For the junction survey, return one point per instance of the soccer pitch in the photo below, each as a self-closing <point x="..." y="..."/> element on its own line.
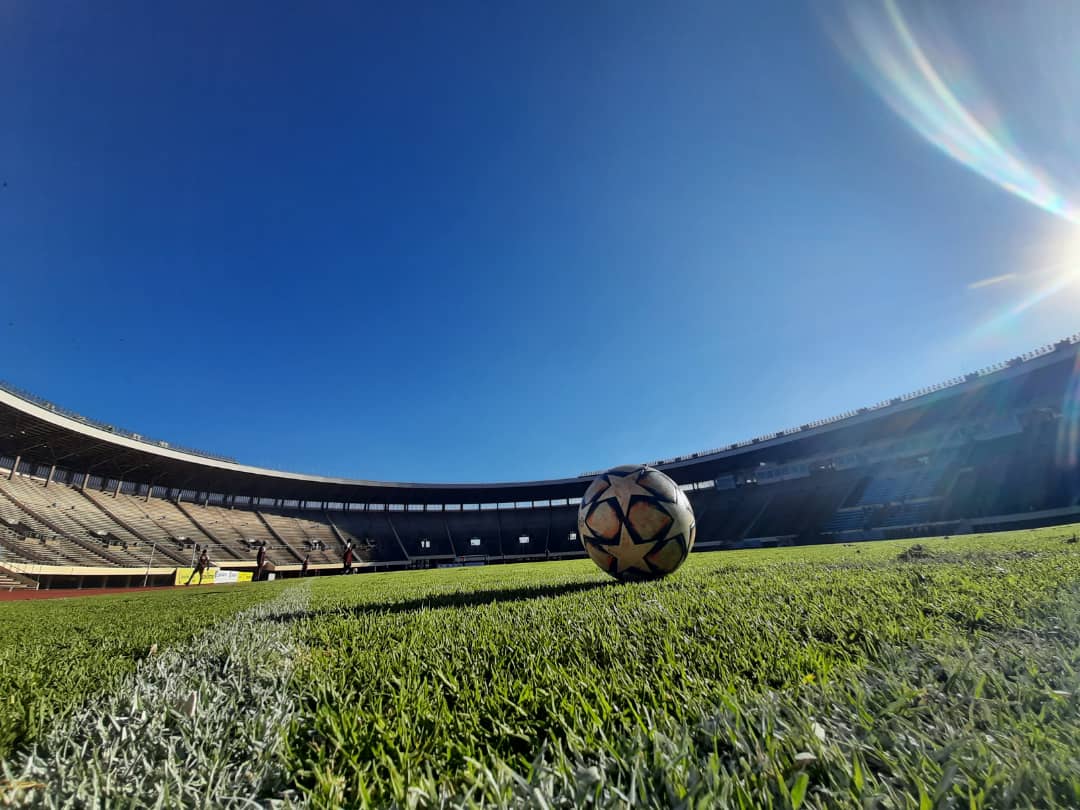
<point x="940" y="672"/>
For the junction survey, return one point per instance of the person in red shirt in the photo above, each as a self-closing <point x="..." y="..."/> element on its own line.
<point x="348" y="558"/>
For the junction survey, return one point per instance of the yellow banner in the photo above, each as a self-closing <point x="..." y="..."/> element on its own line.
<point x="232" y="577"/>
<point x="211" y="576"/>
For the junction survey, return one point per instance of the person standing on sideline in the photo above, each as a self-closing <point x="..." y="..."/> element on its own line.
<point x="303" y="567"/>
<point x="200" y="566"/>
<point x="348" y="558"/>
<point x="260" y="561"/>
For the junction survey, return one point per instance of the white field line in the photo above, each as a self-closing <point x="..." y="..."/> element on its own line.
<point x="199" y="725"/>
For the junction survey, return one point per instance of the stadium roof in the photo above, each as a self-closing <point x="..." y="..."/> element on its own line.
<point x="37" y="430"/>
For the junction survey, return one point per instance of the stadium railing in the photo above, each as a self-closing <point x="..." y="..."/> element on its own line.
<point x="127" y="434"/>
<point x="1049" y="348"/>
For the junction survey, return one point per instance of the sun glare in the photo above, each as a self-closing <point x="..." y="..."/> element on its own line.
<point x="1054" y="284"/>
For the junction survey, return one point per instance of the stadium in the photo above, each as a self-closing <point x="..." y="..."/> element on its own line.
<point x="434" y="287"/>
<point x="85" y="504"/>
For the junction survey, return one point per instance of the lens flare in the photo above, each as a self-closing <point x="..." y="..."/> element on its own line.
<point x="922" y="73"/>
<point x="1048" y="284"/>
<point x="990" y="282"/>
<point x="1068" y="442"/>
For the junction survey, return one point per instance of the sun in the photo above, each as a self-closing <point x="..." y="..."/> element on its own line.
<point x="1050" y="287"/>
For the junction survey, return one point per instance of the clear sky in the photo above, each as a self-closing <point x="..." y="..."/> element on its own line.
<point x="454" y="241"/>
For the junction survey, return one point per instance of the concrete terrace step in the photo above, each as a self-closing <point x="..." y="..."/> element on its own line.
<point x="10" y="581"/>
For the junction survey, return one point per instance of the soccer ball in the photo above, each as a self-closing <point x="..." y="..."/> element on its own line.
<point x="636" y="523"/>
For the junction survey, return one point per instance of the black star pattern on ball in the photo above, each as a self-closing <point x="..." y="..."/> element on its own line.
<point x="637" y="523"/>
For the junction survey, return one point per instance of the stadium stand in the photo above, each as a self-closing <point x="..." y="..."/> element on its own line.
<point x="372" y="535"/>
<point x="424" y="535"/>
<point x="10" y="581"/>
<point x="76" y="519"/>
<point x="25" y="549"/>
<point x="480" y="536"/>
<point x="304" y="537"/>
<point x="56" y="529"/>
<point x="157" y="521"/>
<point x="998" y="447"/>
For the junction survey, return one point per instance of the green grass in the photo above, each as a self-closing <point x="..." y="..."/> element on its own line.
<point x="56" y="653"/>
<point x="845" y="675"/>
<point x="446" y="683"/>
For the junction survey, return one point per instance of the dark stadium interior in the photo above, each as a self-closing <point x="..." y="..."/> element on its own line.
<point x="82" y="503"/>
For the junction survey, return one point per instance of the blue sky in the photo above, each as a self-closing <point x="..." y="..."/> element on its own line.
<point x="473" y="242"/>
